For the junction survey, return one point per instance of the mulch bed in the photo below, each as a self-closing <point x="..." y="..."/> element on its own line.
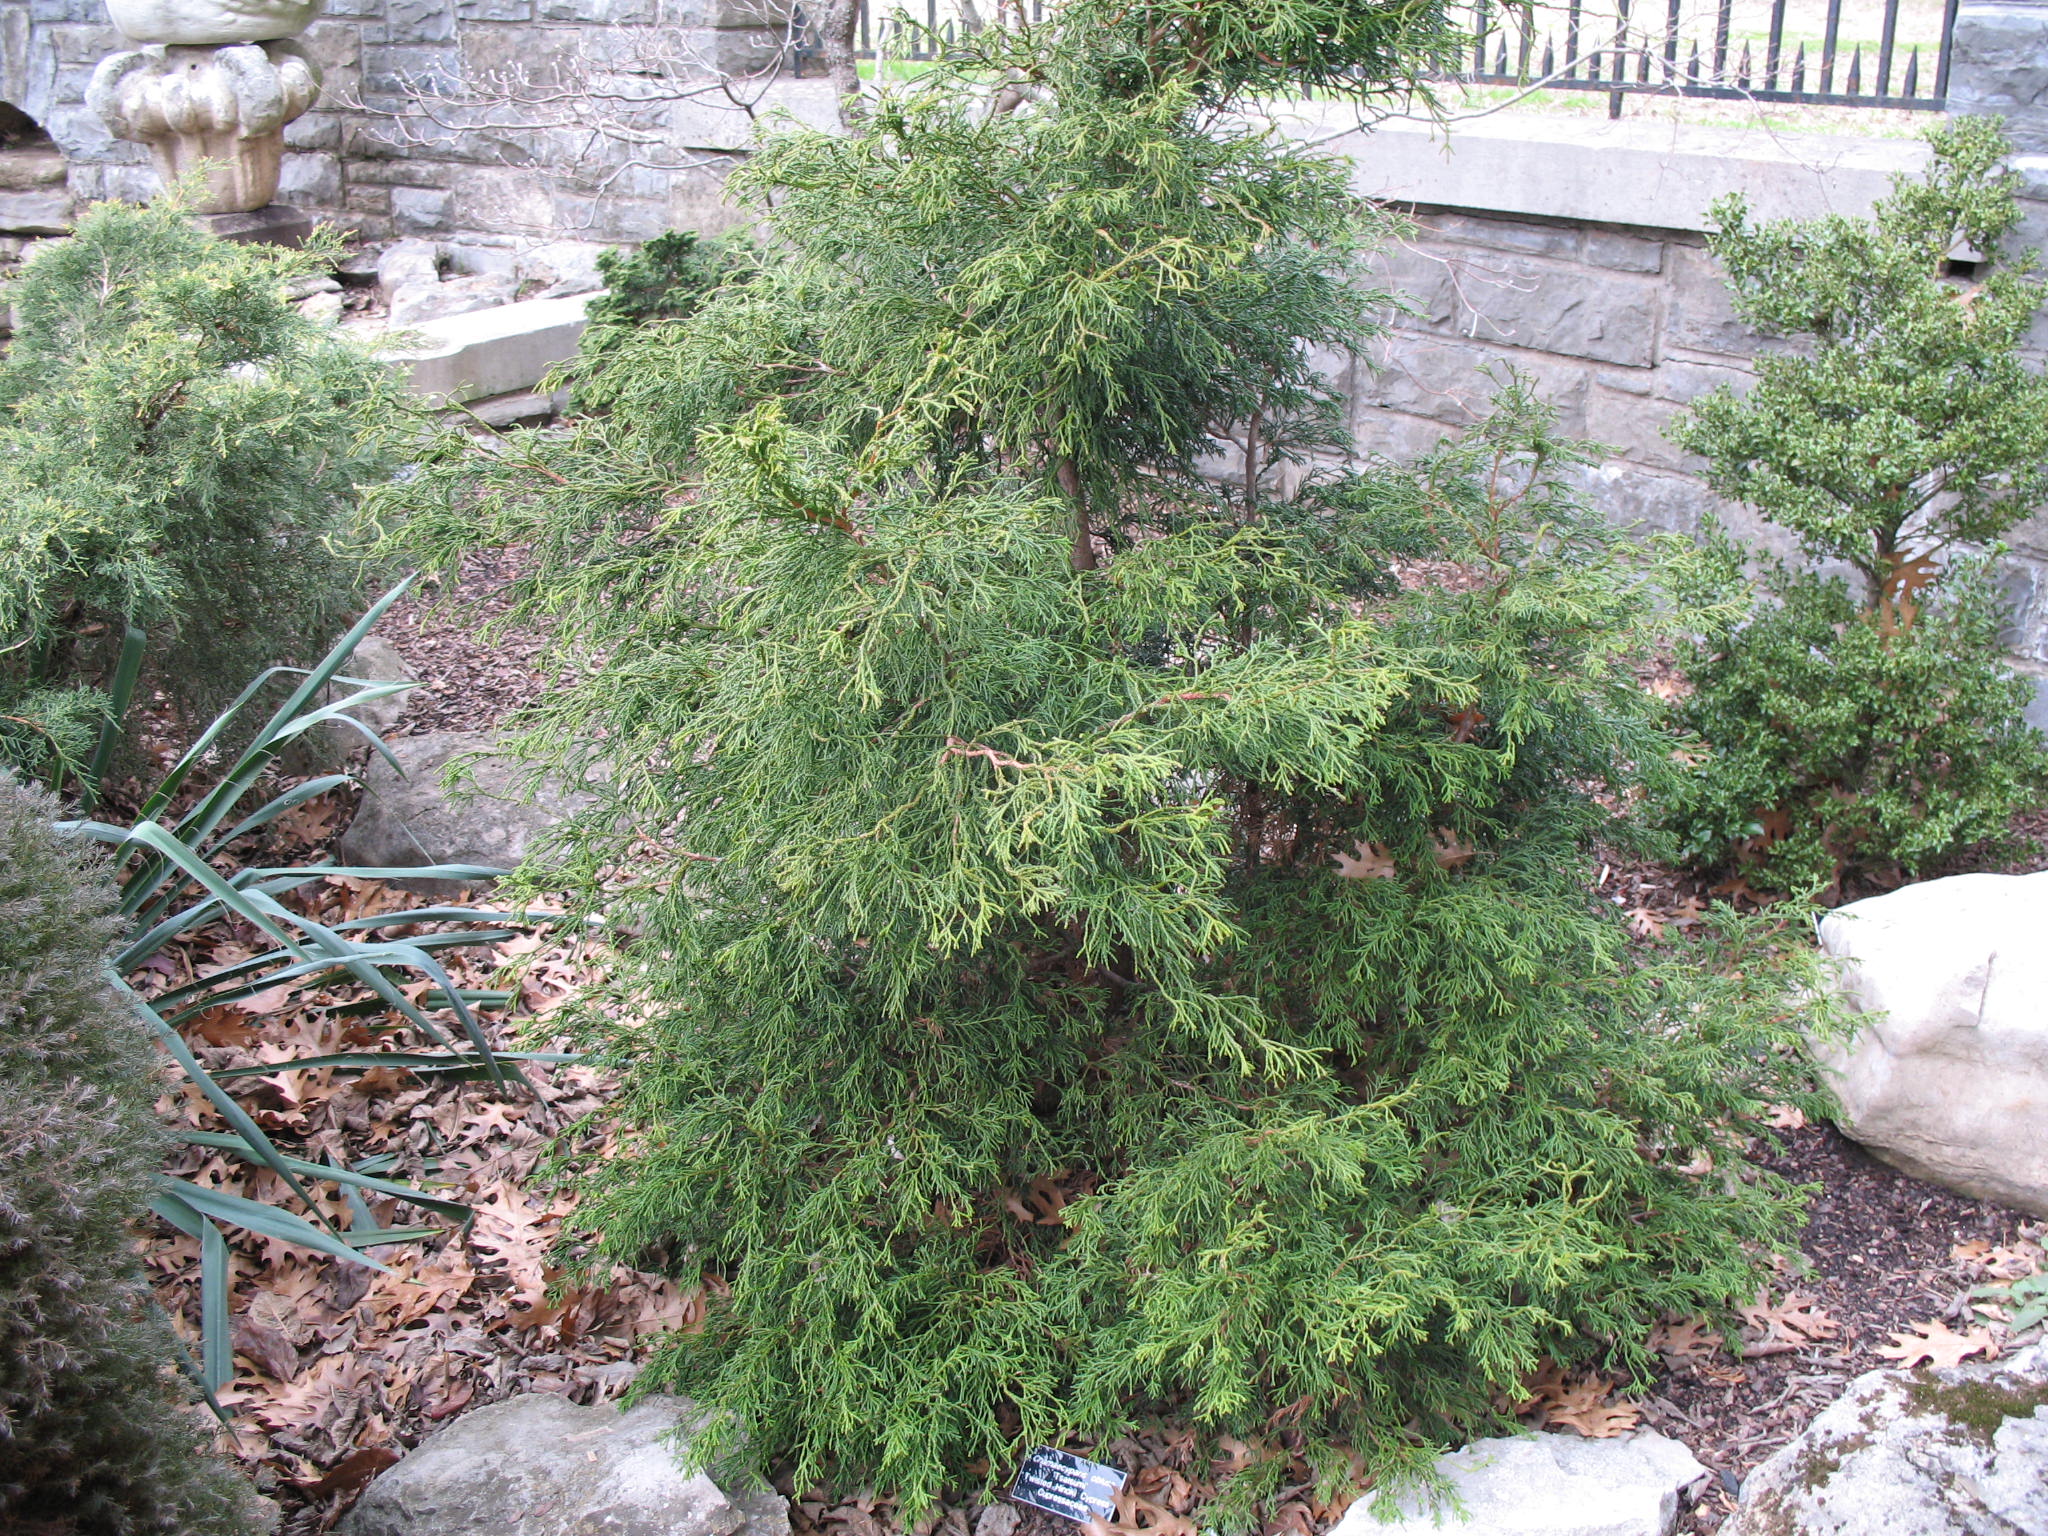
<point x="1882" y="1254"/>
<point x="474" y="671"/>
<point x="346" y="1372"/>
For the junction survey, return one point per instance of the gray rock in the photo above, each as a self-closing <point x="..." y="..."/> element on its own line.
<point x="376" y="660"/>
<point x="1546" y="1485"/>
<point x="418" y="210"/>
<point x="404" y="822"/>
<point x="36" y="211"/>
<point x="538" y="1465"/>
<point x="1955" y="1452"/>
<point x="560" y="268"/>
<point x="321" y="308"/>
<point x="408" y="264"/>
<point x="1947" y="1076"/>
<point x="457" y="296"/>
<point x="468" y="260"/>
<point x="329" y="747"/>
<point x="2037" y="707"/>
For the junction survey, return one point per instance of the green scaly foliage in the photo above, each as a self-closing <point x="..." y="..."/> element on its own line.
<point x="668" y="278"/>
<point x="179" y="451"/>
<point x="1093" y="941"/>
<point x="93" y="1435"/>
<point x="1868" y="726"/>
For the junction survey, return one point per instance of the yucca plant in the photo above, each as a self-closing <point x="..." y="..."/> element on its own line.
<point x="165" y="863"/>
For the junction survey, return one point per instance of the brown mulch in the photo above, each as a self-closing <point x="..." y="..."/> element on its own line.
<point x="1882" y="1255"/>
<point x="340" y="1368"/>
<point x="471" y="678"/>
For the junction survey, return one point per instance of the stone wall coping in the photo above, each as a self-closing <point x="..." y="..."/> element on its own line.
<point x="1645" y="174"/>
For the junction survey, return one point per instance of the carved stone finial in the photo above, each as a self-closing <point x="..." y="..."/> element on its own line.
<point x="226" y="106"/>
<point x="193" y="22"/>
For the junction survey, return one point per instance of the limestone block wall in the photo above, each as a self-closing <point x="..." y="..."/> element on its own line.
<point x="464" y="170"/>
<point x="1577" y="254"/>
<point x="523" y="169"/>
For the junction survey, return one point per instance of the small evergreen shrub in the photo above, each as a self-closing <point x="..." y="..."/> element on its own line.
<point x="1866" y="724"/>
<point x="180" y="451"/>
<point x="1094" y="941"/>
<point x="668" y="278"/>
<point x="93" y="1437"/>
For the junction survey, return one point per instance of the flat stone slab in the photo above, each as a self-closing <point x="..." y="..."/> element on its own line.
<point x="539" y="1465"/>
<point x="36" y="211"/>
<point x="489" y="351"/>
<point x="1956" y="1452"/>
<point x="1546" y="1485"/>
<point x="278" y="224"/>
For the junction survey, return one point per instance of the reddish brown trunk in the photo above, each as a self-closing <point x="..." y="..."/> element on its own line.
<point x="1084" y="537"/>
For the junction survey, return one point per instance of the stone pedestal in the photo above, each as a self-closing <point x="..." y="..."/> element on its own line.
<point x="197" y="22"/>
<point x="277" y="224"/>
<point x="219" y="110"/>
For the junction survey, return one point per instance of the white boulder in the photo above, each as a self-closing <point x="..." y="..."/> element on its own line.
<point x="1546" y="1485"/>
<point x="538" y="1465"/>
<point x="1947" y="1075"/>
<point x="1955" y="1452"/>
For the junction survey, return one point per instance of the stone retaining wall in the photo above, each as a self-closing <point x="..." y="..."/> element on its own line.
<point x="521" y="170"/>
<point x="1576" y="253"/>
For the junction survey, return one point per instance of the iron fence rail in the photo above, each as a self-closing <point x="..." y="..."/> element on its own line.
<point x="1694" y="49"/>
<point x="1789" y="51"/>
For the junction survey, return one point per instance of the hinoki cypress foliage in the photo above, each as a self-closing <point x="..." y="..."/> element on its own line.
<point x="179" y="451"/>
<point x="1094" y="941"/>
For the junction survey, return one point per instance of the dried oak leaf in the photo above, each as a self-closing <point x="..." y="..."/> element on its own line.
<point x="1720" y="1375"/>
<point x="266" y="1348"/>
<point x="1450" y="852"/>
<point x="1586" y="1409"/>
<point x="351" y="1472"/>
<point x="1541" y="1387"/>
<point x="1939" y="1345"/>
<point x="1366" y="861"/>
<point x="1137" y="1516"/>
<point x="1786" y="1325"/>
<point x="1684" y="1336"/>
<point x="2013" y="1261"/>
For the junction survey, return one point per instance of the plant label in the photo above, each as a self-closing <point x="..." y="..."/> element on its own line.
<point x="1061" y="1483"/>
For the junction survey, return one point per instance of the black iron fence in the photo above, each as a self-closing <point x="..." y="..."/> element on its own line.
<point x="909" y="29"/>
<point x="1844" y="53"/>
<point x="1883" y="54"/>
